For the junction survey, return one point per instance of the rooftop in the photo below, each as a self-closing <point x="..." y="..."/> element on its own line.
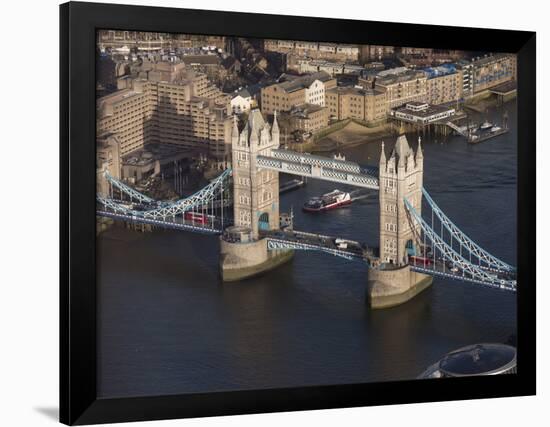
<point x="400" y="76"/>
<point x="479" y="359"/>
<point x="293" y="83"/>
<point x="117" y="96"/>
<point x="201" y="59"/>
<point x="354" y="90"/>
<point x="505" y="88"/>
<point x="243" y="92"/>
<point x="442" y="70"/>
<point x="489" y="59"/>
<point x="305" y="109"/>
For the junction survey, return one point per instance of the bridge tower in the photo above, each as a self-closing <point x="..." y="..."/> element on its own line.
<point x="243" y="251"/>
<point x="255" y="190"/>
<point x="392" y="281"/>
<point x="400" y="177"/>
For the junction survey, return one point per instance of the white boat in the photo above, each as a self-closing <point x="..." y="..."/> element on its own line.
<point x="332" y="200"/>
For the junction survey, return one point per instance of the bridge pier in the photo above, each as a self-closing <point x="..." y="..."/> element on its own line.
<point x="243" y="259"/>
<point x="390" y="285"/>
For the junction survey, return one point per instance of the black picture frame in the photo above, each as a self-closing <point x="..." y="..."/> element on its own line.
<point x="78" y="399"/>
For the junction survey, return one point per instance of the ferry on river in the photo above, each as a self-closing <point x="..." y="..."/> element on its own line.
<point x="334" y="199"/>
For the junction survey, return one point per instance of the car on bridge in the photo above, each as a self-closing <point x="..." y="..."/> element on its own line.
<point x="196" y="217"/>
<point x="418" y="260"/>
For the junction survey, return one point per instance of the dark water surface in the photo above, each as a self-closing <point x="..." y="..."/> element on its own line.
<point x="167" y="324"/>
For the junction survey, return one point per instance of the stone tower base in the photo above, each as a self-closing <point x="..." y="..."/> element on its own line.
<point x="391" y="287"/>
<point x="241" y="260"/>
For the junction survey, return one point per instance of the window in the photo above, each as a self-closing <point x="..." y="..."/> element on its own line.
<point x="244" y="218"/>
<point x="244" y="200"/>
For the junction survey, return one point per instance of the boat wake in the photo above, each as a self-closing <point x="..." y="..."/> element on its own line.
<point x="360" y="195"/>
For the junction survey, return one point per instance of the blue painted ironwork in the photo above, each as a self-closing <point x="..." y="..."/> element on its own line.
<point x="129" y="191"/>
<point x="176" y="224"/>
<point x="481" y="254"/>
<point x="324" y="168"/>
<point x="197" y="200"/>
<point x="468" y="271"/>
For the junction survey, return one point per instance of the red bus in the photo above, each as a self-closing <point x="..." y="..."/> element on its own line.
<point x="417" y="260"/>
<point x="196" y="217"/>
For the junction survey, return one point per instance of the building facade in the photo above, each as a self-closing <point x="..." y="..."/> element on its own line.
<point x="255" y="190"/>
<point x="241" y="102"/>
<point x="151" y="41"/>
<point x="400" y="177"/>
<point x="315" y="50"/>
<point x="368" y="105"/>
<point x="369" y="53"/>
<point x="308" y="89"/>
<point x="308" y="118"/>
<point x="402" y="86"/>
<point x="492" y="71"/>
<point x="443" y="86"/>
<point x="169" y="104"/>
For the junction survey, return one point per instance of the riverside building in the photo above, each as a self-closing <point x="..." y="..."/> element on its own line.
<point x="444" y="84"/>
<point x="170" y="104"/>
<point x="368" y="105"/>
<point x="493" y="70"/>
<point x="402" y="85"/>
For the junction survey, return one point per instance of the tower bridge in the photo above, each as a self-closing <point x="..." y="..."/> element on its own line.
<point x="412" y="248"/>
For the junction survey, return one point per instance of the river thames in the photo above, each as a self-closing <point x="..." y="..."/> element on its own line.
<point x="168" y="325"/>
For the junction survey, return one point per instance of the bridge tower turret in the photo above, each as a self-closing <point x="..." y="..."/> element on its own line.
<point x="255" y="190"/>
<point x="400" y="178"/>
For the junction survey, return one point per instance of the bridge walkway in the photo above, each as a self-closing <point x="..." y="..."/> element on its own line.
<point x="309" y="165"/>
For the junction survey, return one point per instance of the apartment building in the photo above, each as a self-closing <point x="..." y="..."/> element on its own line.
<point x="170" y="104"/>
<point x="151" y="41"/>
<point x="296" y="90"/>
<point x="444" y="84"/>
<point x="368" y="105"/>
<point x="493" y="70"/>
<point x="465" y="70"/>
<point x="332" y="68"/>
<point x="315" y="50"/>
<point x="402" y="85"/>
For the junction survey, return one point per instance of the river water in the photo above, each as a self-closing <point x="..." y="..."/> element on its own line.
<point x="168" y="325"/>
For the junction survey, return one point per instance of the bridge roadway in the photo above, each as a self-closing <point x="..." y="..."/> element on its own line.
<point x="440" y="267"/>
<point x="300" y="240"/>
<point x="214" y="225"/>
<point x="324" y="168"/>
